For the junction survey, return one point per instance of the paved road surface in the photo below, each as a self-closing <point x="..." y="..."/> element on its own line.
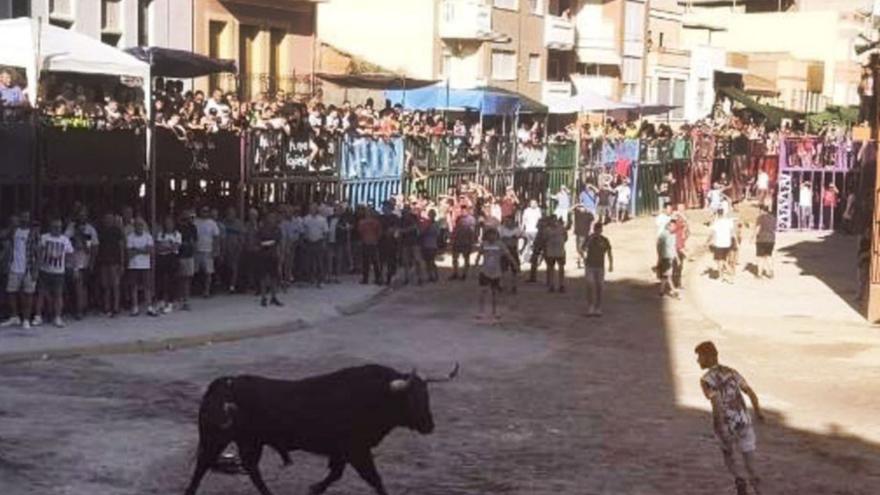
<point x="547" y="402"/>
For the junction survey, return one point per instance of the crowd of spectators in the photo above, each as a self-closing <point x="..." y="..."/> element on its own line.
<point x="117" y="261"/>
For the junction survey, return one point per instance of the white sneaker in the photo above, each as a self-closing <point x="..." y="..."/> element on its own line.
<point x="597" y="312"/>
<point x="12" y="322"/>
<point x="26" y="325"/>
<point x="59" y="323"/>
<point x="37" y="321"/>
<point x="167" y="308"/>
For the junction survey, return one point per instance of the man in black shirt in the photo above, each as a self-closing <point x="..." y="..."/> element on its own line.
<point x="596" y="247"/>
<point x="389" y="244"/>
<point x="109" y="261"/>
<point x="268" y="267"/>
<point x="410" y="249"/>
<point x="583" y="222"/>
<point x="188" y="237"/>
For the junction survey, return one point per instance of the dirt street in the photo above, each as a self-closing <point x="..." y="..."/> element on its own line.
<point x="547" y="402"/>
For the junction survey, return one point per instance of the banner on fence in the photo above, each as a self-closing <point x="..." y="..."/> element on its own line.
<point x="16" y="152"/>
<point x="86" y="153"/>
<point x="211" y="155"/>
<point x="368" y="158"/>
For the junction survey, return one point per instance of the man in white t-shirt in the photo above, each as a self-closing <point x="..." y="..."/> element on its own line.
<point x="530" y="218"/>
<point x="139" y="245"/>
<point x="721" y="242"/>
<point x="762" y="186"/>
<point x="22" y="270"/>
<point x="315" y="231"/>
<point x="621" y="206"/>
<point x="207" y="241"/>
<point x="55" y="247"/>
<point x="662" y="219"/>
<point x="805" y="205"/>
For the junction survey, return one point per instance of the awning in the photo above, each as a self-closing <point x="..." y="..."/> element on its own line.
<point x="759" y="86"/>
<point x="375" y="81"/>
<point x="37" y="48"/>
<point x="774" y="115"/>
<point x="844" y="115"/>
<point x="585" y="101"/>
<point x="166" y="62"/>
<point x="729" y="69"/>
<point x="598" y="56"/>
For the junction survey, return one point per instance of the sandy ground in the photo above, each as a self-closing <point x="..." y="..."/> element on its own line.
<point x="547" y="402"/>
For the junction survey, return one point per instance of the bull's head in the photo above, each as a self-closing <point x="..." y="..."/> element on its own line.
<point x="218" y="405"/>
<point x="414" y="388"/>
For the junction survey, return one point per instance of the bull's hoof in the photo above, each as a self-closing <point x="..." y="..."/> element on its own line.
<point x="317" y="489"/>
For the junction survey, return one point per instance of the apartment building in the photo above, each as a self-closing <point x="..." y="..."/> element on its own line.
<point x="273" y="42"/>
<point x="120" y="23"/>
<point x="669" y="63"/>
<point x="525" y="46"/>
<point x="610" y="48"/>
<point x="805" y="32"/>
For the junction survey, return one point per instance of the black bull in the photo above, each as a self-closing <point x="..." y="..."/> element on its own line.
<point x="342" y="416"/>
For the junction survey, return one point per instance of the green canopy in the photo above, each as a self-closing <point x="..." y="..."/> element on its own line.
<point x="834" y="113"/>
<point x="774" y="115"/>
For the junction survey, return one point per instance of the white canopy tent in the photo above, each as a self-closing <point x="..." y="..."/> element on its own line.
<point x="586" y="101"/>
<point x="43" y="47"/>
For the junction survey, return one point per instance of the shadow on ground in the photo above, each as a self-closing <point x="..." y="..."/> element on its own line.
<point x="821" y="259"/>
<point x="549" y="401"/>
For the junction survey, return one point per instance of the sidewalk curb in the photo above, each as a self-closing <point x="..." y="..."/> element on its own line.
<point x="176" y="343"/>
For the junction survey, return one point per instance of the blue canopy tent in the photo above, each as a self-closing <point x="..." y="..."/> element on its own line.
<point x="488" y="100"/>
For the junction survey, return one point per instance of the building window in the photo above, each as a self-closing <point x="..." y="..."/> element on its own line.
<point x="678" y="95"/>
<point x="534" y="68"/>
<point x="634" y="21"/>
<point x="507" y="4"/>
<point x="503" y="65"/>
<point x="21" y="8"/>
<point x="61" y="8"/>
<point x="145" y="21"/>
<point x="110" y="16"/>
<point x="664" y="86"/>
<point x="61" y="13"/>
<point x="276" y="55"/>
<point x="446" y="64"/>
<point x="215" y="47"/>
<point x="660" y="41"/>
<point x="535" y="6"/>
<point x="631" y="72"/>
<point x="702" y="89"/>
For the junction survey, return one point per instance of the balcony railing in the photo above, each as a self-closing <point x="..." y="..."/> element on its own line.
<point x="602" y="85"/>
<point x="465" y="20"/>
<point x="600" y="50"/>
<point x="559" y="33"/>
<point x="673" y="57"/>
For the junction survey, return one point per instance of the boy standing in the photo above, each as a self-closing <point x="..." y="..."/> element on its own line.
<point x="140" y="256"/>
<point x="491" y="252"/>
<point x="732" y="423"/>
<point x="596" y="248"/>
<point x="54" y="248"/>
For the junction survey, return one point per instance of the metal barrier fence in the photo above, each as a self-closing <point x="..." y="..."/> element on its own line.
<point x="450" y="152"/>
<point x="815" y="178"/>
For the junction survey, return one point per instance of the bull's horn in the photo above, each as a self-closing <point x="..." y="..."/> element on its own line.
<point x="399" y="385"/>
<point x="447" y="378"/>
